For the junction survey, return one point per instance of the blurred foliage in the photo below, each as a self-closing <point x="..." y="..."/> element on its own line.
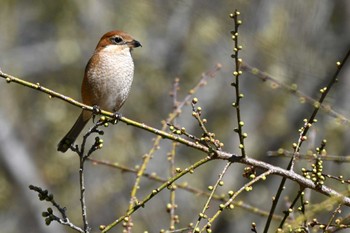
<point x="50" y="42"/>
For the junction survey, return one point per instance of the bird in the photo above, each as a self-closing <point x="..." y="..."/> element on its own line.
<point x="107" y="80"/>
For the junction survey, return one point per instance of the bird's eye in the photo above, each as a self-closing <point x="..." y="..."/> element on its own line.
<point x="117" y="40"/>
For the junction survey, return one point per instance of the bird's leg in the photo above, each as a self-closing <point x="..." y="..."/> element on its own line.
<point x="96" y="110"/>
<point x="116" y="117"/>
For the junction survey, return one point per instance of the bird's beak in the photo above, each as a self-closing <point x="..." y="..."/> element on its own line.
<point x="134" y="44"/>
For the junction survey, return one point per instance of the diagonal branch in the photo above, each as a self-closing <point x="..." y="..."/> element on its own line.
<point x="219" y="154"/>
<point x="54" y="94"/>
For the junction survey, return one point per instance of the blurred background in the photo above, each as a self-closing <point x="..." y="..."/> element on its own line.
<point x="50" y="42"/>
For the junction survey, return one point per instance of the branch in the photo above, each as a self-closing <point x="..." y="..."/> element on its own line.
<point x="127" y="121"/>
<point x="291" y="175"/>
<point x="219" y="154"/>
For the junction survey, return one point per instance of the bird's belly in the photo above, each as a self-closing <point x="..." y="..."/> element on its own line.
<point x="115" y="93"/>
<point x="110" y="82"/>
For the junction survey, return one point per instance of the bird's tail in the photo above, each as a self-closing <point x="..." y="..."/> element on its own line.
<point x="73" y="133"/>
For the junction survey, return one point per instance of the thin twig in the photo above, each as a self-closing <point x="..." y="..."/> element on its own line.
<point x="172" y="205"/>
<point x="171" y="158"/>
<point x="206" y="206"/>
<point x="82" y="159"/>
<point x="332" y="158"/>
<point x="287" y="212"/>
<point x="49" y="216"/>
<point x="230" y="201"/>
<point x="82" y="195"/>
<point x="237" y="73"/>
<point x="335" y="212"/>
<point x="294" y="90"/>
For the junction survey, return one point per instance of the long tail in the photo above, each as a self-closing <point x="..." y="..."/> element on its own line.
<point x="73" y="133"/>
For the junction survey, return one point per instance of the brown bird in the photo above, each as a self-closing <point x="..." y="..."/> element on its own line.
<point x="107" y="80"/>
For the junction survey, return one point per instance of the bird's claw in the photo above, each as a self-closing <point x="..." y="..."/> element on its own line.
<point x="96" y="110"/>
<point x="116" y="117"/>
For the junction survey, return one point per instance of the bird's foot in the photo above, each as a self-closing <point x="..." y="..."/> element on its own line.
<point x="116" y="117"/>
<point x="96" y="110"/>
